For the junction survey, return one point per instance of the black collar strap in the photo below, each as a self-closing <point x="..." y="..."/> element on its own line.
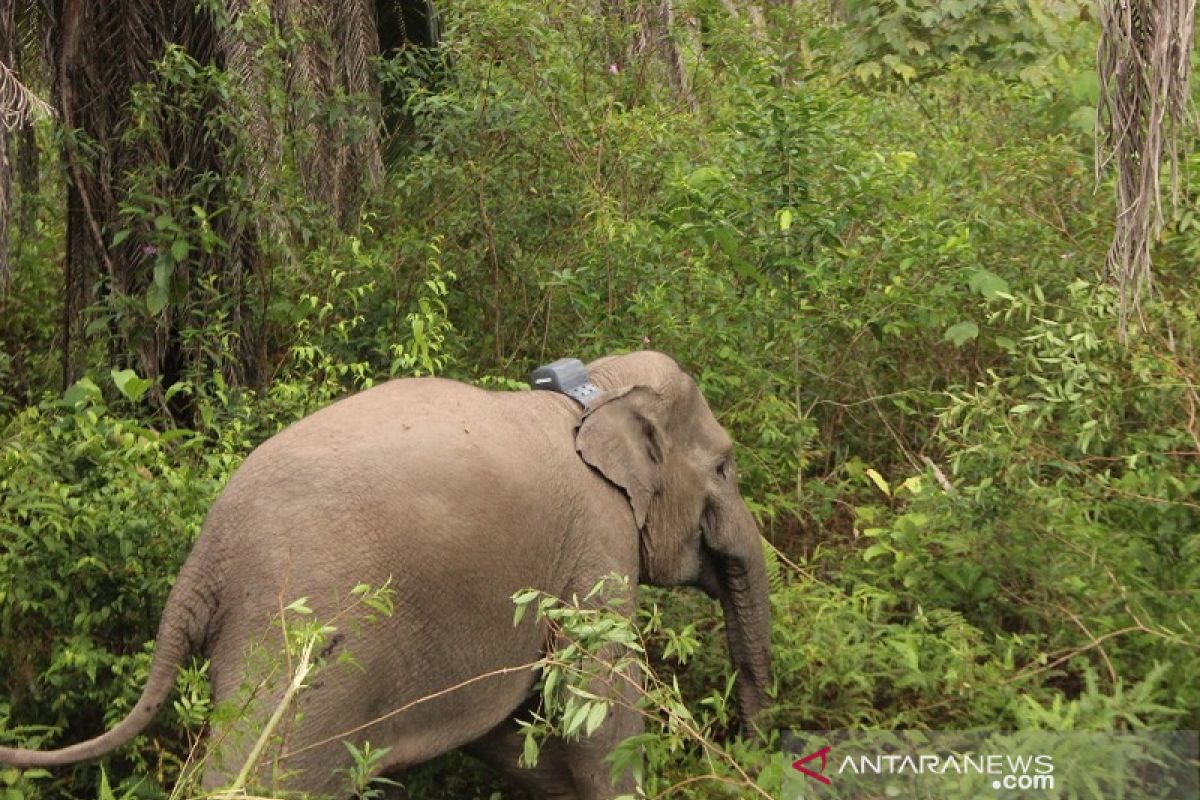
<point x="566" y="376"/>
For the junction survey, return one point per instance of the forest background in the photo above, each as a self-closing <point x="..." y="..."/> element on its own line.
<point x="872" y="230"/>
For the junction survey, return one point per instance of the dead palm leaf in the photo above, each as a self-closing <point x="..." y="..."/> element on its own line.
<point x="1143" y="62"/>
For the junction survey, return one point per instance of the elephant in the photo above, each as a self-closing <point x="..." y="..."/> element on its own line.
<point x="459" y="497"/>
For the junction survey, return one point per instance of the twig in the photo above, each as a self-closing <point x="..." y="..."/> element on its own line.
<point x="1076" y="651"/>
<point x="397" y="711"/>
<point x="711" y="776"/>
<point x="1112" y="673"/>
<point x="293" y="688"/>
<point x="940" y="476"/>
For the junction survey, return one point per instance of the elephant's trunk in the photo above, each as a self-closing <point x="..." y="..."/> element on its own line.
<point x="742" y="577"/>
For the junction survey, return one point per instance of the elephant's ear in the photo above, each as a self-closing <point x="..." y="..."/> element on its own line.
<point x="619" y="436"/>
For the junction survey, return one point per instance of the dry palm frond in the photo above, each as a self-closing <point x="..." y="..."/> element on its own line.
<point x="359" y="43"/>
<point x="313" y="76"/>
<point x="25" y="36"/>
<point x="241" y="41"/>
<point x="337" y="43"/>
<point x="1143" y="62"/>
<point x="18" y="104"/>
<point x="358" y="46"/>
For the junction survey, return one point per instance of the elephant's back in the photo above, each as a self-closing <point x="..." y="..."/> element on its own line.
<point x="415" y="441"/>
<point x="417" y="414"/>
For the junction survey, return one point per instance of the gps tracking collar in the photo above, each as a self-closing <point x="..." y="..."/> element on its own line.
<point x="566" y="376"/>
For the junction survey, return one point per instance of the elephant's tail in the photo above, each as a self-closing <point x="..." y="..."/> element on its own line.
<point x="184" y="626"/>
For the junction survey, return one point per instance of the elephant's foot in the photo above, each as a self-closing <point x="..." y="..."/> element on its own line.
<point x="550" y="780"/>
<point x="573" y="770"/>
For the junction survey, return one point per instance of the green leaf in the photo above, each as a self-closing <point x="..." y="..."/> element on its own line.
<point x="98" y="325"/>
<point x="106" y="792"/>
<point x="595" y="717"/>
<point x="179" y="249"/>
<point x="299" y="606"/>
<point x="129" y="384"/>
<point x="156" y="299"/>
<point x="1083" y="120"/>
<point x="747" y="270"/>
<point x="961" y="333"/>
<point x="726" y="239"/>
<point x="785" y="219"/>
<point x="529" y="754"/>
<point x="705" y="178"/>
<point x="988" y="284"/>
<point x="906" y="72"/>
<point x="574" y="717"/>
<point x="868" y="70"/>
<point x="121" y="236"/>
<point x="162" y="274"/>
<point x="907" y="650"/>
<point x="875" y="550"/>
<point x="548" y="687"/>
<point x="82" y="391"/>
<point x="878" y="480"/>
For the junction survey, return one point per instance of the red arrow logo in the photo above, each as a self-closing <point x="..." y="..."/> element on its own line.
<point x="822" y="753"/>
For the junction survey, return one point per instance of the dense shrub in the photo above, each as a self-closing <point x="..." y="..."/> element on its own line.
<point x="99" y="511"/>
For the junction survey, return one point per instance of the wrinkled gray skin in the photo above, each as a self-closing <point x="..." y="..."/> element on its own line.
<point x="460" y="497"/>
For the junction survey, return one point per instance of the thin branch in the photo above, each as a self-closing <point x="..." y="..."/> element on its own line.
<point x="433" y="696"/>
<point x="296" y="684"/>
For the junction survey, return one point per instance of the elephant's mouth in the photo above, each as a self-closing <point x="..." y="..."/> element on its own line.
<point x="712" y="562"/>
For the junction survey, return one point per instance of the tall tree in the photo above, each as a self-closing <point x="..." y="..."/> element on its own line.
<point x="102" y="51"/>
<point x="19" y="106"/>
<point x="131" y="165"/>
<point x="1144" y="59"/>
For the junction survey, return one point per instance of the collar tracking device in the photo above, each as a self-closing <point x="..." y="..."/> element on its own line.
<point x="566" y="376"/>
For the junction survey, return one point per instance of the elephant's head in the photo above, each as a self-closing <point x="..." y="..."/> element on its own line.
<point x="652" y="434"/>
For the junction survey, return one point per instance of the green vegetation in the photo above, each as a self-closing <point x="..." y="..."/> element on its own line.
<point x="878" y="247"/>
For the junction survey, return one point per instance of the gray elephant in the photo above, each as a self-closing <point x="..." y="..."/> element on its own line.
<point x="460" y="497"/>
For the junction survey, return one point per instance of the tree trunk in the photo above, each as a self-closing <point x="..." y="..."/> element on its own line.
<point x="1144" y="59"/>
<point x="8" y="53"/>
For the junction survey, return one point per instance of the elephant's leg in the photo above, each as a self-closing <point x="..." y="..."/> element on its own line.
<point x="586" y="758"/>
<point x="573" y="770"/>
<point x="501" y="748"/>
<point x="567" y="770"/>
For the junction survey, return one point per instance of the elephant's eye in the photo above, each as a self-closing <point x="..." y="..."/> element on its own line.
<point x="725" y="468"/>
